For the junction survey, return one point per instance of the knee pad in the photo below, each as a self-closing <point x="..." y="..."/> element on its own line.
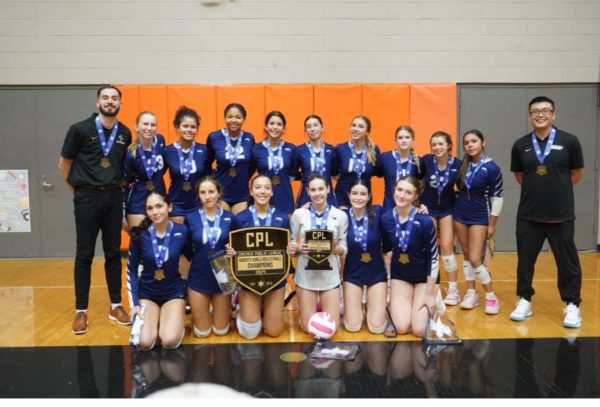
<point x="248" y="330"/>
<point x="450" y="263"/>
<point x="377" y="329"/>
<point x="221" y="331"/>
<point x="199" y="333"/>
<point x="482" y="274"/>
<point x="352" y="327"/>
<point x="468" y="271"/>
<point x="178" y="342"/>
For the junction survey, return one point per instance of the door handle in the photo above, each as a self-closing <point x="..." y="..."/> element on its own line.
<point x="46" y="185"/>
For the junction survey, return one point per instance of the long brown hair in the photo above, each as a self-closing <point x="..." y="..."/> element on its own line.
<point x="412" y="152"/>
<point x="464" y="168"/>
<point x="369" y="209"/>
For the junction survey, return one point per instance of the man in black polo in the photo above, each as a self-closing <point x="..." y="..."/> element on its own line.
<point x="91" y="162"/>
<point x="547" y="163"/>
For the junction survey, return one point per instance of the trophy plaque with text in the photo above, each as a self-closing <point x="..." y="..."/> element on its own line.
<point x="320" y="247"/>
<point x="261" y="261"/>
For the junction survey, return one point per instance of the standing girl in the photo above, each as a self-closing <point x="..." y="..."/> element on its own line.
<point x="440" y="171"/>
<point x="475" y="214"/>
<point x="231" y="148"/>
<point x="153" y="278"/>
<point x="358" y="158"/>
<point x="144" y="167"/>
<point x="410" y="236"/>
<point x="399" y="163"/>
<point x="260" y="312"/>
<point x="209" y="227"/>
<point x="276" y="159"/>
<point x="315" y="157"/>
<point x="364" y="265"/>
<point x="323" y="285"/>
<point x="187" y="162"/>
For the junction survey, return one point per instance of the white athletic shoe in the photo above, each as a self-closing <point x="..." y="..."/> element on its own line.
<point x="452" y="298"/>
<point x="471" y="300"/>
<point x="572" y="316"/>
<point x="492" y="305"/>
<point x="521" y="311"/>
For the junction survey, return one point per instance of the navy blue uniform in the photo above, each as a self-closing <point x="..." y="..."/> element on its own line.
<point x="391" y="172"/>
<point x="201" y="277"/>
<point x="422" y="248"/>
<point x="355" y="270"/>
<point x="141" y="268"/>
<point x="137" y="178"/>
<point x="234" y="182"/>
<point x="348" y="174"/>
<point x="184" y="201"/>
<point x="307" y="166"/>
<point x="429" y="196"/>
<point x="283" y="196"/>
<point x="473" y="207"/>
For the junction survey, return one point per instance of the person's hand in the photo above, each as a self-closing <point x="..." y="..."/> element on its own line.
<point x="133" y="312"/>
<point x="306" y="205"/>
<point x="337" y="249"/>
<point x="430" y="303"/>
<point x="491" y="230"/>
<point x="229" y="250"/>
<point x="422" y="209"/>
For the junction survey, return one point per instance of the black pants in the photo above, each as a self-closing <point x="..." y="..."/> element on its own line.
<point x="530" y="238"/>
<point x="97" y="211"/>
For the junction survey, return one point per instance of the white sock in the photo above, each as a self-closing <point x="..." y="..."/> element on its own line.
<point x="80" y="310"/>
<point x="113" y="306"/>
<point x="453" y="286"/>
<point x="490" y="296"/>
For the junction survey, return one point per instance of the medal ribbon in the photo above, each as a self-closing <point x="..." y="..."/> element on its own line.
<point x="106" y="145"/>
<point x="149" y="164"/>
<point x="471" y="173"/>
<point x="359" y="164"/>
<point x="360" y="231"/>
<point x="319" y="223"/>
<point x="442" y="180"/>
<point x="256" y="219"/>
<point x="275" y="161"/>
<point x="233" y="151"/>
<point x="319" y="159"/>
<point x="185" y="164"/>
<point x="538" y="151"/>
<point x="403" y="236"/>
<point x="401" y="169"/>
<point x="161" y="252"/>
<point x="212" y="233"/>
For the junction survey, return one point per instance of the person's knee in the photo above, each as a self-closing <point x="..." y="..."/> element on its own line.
<point x="172" y="340"/>
<point x="352" y="326"/>
<point x="248" y="330"/>
<point x="377" y="327"/>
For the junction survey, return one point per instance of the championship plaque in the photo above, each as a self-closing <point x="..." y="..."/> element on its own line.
<point x="261" y="261"/>
<point x="320" y="247"/>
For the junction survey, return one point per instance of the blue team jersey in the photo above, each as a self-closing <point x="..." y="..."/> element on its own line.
<point x="307" y="166"/>
<point x="234" y="182"/>
<point x="347" y="173"/>
<point x="357" y="271"/>
<point x="283" y="197"/>
<point x="422" y="248"/>
<point x="391" y="172"/>
<point x="184" y="201"/>
<point x="473" y="207"/>
<point x="142" y="279"/>
<point x="201" y="277"/>
<point x="429" y="196"/>
<point x="136" y="177"/>
<point x="244" y="219"/>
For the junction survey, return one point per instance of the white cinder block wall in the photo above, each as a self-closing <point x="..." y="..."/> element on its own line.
<point x="239" y="41"/>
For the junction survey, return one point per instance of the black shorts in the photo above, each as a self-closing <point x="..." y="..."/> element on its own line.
<point x="163" y="301"/>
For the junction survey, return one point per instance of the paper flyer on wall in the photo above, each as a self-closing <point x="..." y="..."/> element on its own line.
<point x="14" y="201"/>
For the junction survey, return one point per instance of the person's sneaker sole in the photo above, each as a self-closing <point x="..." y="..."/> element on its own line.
<point x="448" y="301"/>
<point x="79" y="332"/>
<point x="572" y="326"/>
<point x="492" y="312"/>
<point x="113" y="319"/>
<point x="519" y="319"/>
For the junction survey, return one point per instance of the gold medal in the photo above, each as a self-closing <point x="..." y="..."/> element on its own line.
<point x="232" y="172"/>
<point x="159" y="274"/>
<point x="275" y="179"/>
<point x="187" y="186"/>
<point x="149" y="185"/>
<point x="541" y="170"/>
<point x="365" y="257"/>
<point x="104" y="162"/>
<point x="403" y="258"/>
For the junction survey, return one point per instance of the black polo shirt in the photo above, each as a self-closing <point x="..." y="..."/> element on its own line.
<point x="547" y="198"/>
<point x="82" y="145"/>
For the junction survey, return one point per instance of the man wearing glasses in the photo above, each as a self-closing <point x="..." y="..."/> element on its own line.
<point x="547" y="163"/>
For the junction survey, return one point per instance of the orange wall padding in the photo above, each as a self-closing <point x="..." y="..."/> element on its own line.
<point x="425" y="107"/>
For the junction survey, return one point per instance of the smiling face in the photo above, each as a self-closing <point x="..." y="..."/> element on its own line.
<point x="359" y="130"/>
<point x="359" y="196"/>
<point x="317" y="192"/>
<point x="313" y="129"/>
<point x="405" y="194"/>
<point x="404" y="140"/>
<point x="473" y="145"/>
<point x="146" y="126"/>
<point x="541" y="115"/>
<point x="261" y="190"/>
<point x="108" y="102"/>
<point x="209" y="194"/>
<point x="275" y="127"/>
<point x="439" y="146"/>
<point x="234" y="119"/>
<point x="187" y="129"/>
<point x="157" y="209"/>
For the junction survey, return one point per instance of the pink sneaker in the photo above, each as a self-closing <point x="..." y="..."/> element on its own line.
<point x="492" y="306"/>
<point x="452" y="298"/>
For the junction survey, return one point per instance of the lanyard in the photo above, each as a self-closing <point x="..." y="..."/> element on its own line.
<point x="104" y="144"/>
<point x="212" y="233"/>
<point x="361" y="232"/>
<point x="403" y="236"/>
<point x="256" y="219"/>
<point x="161" y="252"/>
<point x="185" y="164"/>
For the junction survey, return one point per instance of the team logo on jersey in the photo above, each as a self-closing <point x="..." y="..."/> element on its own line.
<point x="120" y="139"/>
<point x="555" y="147"/>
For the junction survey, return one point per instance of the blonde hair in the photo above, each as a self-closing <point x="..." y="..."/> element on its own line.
<point x="412" y="152"/>
<point x="371" y="156"/>
<point x="134" y="145"/>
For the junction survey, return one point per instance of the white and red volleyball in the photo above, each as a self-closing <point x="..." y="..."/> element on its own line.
<point x="321" y="326"/>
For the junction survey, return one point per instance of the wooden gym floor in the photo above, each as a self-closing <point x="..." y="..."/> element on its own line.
<point x="37" y="300"/>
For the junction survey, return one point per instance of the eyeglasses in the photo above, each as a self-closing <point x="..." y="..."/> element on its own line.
<point x="544" y="112"/>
